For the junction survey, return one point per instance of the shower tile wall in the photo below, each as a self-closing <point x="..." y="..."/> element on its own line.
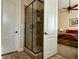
<point x="39" y="31"/>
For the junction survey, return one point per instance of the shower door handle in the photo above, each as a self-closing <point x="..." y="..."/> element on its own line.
<point x="32" y="26"/>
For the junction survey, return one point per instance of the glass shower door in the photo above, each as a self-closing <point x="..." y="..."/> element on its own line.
<point x="28" y="27"/>
<point x="38" y="18"/>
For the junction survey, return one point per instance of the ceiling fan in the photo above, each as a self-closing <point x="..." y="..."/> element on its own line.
<point x="69" y="8"/>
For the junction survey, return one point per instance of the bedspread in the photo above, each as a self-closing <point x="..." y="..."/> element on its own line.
<point x="68" y="36"/>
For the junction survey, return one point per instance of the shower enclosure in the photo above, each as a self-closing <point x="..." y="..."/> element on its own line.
<point x="34" y="18"/>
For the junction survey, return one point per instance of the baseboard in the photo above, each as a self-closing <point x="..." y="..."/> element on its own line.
<point x="20" y="50"/>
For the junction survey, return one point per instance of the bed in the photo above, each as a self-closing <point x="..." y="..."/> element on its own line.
<point x="70" y="37"/>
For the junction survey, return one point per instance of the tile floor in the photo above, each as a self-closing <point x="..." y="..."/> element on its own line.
<point x="64" y="52"/>
<point x="16" y="55"/>
<point x="57" y="57"/>
<point x="68" y="51"/>
<point x="23" y="55"/>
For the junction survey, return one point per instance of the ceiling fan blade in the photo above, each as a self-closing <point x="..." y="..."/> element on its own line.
<point x="75" y="6"/>
<point x="64" y="8"/>
<point x="74" y="9"/>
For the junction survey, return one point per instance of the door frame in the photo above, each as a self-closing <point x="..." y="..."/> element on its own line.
<point x="19" y="6"/>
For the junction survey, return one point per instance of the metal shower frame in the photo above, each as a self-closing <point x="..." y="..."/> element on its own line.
<point x="32" y="24"/>
<point x="34" y="1"/>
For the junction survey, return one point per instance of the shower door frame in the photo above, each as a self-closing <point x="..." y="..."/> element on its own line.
<point x="32" y="26"/>
<point x="25" y="29"/>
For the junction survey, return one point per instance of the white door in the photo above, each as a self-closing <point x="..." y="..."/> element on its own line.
<point x="50" y="28"/>
<point x="9" y="26"/>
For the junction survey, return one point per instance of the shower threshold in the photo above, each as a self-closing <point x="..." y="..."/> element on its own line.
<point x="33" y="55"/>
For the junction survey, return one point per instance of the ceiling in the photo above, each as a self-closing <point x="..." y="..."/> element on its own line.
<point x="61" y="3"/>
<point x="65" y="3"/>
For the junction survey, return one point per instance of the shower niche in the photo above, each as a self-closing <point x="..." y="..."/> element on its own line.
<point x="34" y="20"/>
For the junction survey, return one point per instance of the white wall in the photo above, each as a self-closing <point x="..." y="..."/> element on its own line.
<point x="63" y="19"/>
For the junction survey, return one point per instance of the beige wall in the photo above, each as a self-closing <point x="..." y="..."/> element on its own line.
<point x="63" y="19"/>
<point x="22" y="21"/>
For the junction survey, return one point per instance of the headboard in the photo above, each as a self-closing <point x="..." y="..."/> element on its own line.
<point x="72" y="31"/>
